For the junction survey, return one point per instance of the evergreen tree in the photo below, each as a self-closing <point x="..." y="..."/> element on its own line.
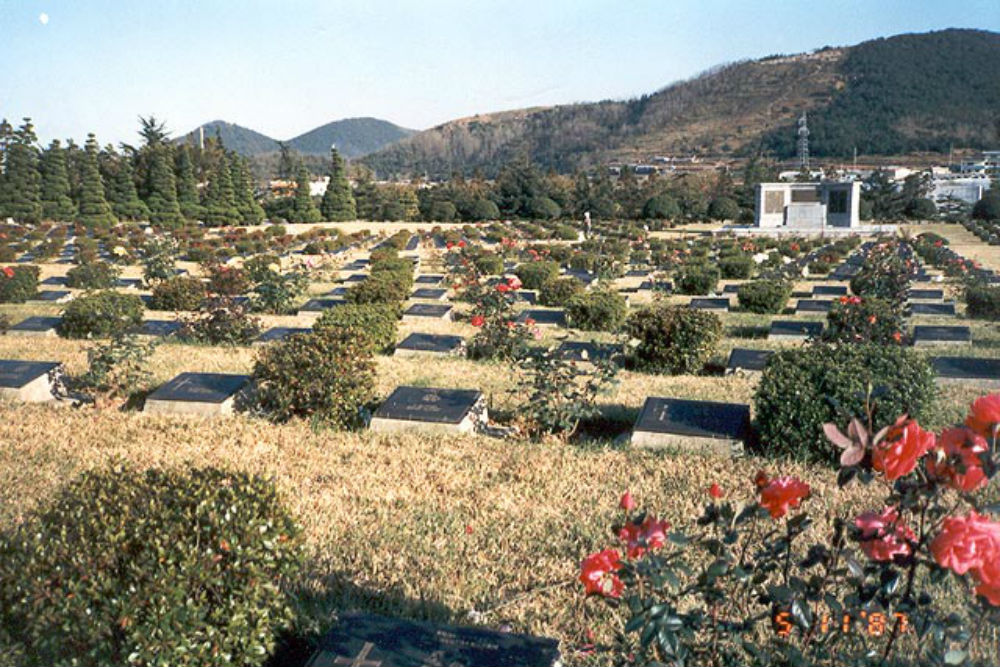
<point x="187" y="185"/>
<point x="251" y="212"/>
<point x="338" y="203"/>
<point x="162" y="200"/>
<point x="303" y="208"/>
<point x="287" y="162"/>
<point x="22" y="188"/>
<point x="220" y="200"/>
<point x="408" y="203"/>
<point x="57" y="203"/>
<point x="94" y="208"/>
<point x="76" y="159"/>
<point x="367" y="198"/>
<point x="6" y="137"/>
<point x="124" y="197"/>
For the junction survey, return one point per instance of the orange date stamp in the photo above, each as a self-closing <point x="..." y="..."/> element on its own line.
<point x="874" y="624"/>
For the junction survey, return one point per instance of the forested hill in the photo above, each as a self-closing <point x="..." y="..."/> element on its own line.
<point x="352" y="136"/>
<point x="888" y="96"/>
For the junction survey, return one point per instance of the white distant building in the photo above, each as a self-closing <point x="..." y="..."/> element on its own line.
<point x="968" y="189"/>
<point x="808" y="206"/>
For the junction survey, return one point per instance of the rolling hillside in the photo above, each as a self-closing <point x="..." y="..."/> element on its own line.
<point x="895" y="95"/>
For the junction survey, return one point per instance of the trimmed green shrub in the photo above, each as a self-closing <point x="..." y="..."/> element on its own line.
<point x="558" y="292"/>
<point x="723" y="208"/>
<point x="696" y="279"/>
<point x="801" y="389"/>
<point x="566" y="232"/>
<point x="227" y="280"/>
<point x="535" y="274"/>
<point x="378" y="321"/>
<point x="327" y="377"/>
<point x="489" y="264"/>
<point x="178" y="293"/>
<point x="178" y="567"/>
<point x="100" y="315"/>
<point x="987" y="208"/>
<point x="819" y="267"/>
<point x="854" y="319"/>
<point x="385" y="287"/>
<point x="600" y="310"/>
<point x="982" y="302"/>
<point x="764" y="296"/>
<point x="18" y="283"/>
<point x="736" y="267"/>
<point x="673" y="339"/>
<point x="94" y="275"/>
<point x="661" y="207"/>
<point x="221" y="321"/>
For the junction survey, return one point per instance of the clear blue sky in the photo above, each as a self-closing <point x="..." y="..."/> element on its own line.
<point x="284" y="67"/>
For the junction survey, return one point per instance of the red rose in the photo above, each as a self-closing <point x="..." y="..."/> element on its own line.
<point x="955" y="459"/>
<point x="897" y="336"/>
<point x="597" y="572"/>
<point x="898" y="453"/>
<point x="783" y="493"/>
<point x="640" y="538"/>
<point x="9" y="272"/>
<point x="477" y="320"/>
<point x="514" y="282"/>
<point x="715" y="491"/>
<point x="503" y="287"/>
<point x="627" y="502"/>
<point x="529" y="322"/>
<point x="461" y="244"/>
<point x="971" y="544"/>
<point x="985" y="415"/>
<point x="449" y="245"/>
<point x="883" y="535"/>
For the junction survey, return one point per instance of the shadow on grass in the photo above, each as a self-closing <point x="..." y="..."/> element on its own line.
<point x="324" y="597"/>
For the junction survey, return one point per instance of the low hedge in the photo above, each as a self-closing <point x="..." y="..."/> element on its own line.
<point x="93" y="275"/>
<point x="673" y="339"/>
<point x="696" y="279"/>
<point x="178" y="293"/>
<point x="378" y="321"/>
<point x="535" y="274"/>
<point x="558" y="292"/>
<point x="101" y="315"/>
<point x="600" y="310"/>
<point x="18" y="283"/>
<point x="764" y="296"/>
<point x="982" y="302"/>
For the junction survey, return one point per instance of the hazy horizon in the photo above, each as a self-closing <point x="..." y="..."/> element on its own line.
<point x="284" y="69"/>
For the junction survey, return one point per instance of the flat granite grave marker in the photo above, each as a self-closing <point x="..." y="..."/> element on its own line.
<point x="943" y="309"/>
<point x="829" y="290"/>
<point x="36" y="325"/>
<point x="279" y="333"/>
<point x="543" y="318"/>
<point x="27" y="381"/>
<point x="204" y="394"/>
<point x="424" y="344"/>
<point x="586" y="352"/>
<point x="52" y="296"/>
<point x="813" y="306"/>
<point x="925" y="294"/>
<point x="428" y="280"/>
<point x="527" y="295"/>
<point x="720" y="428"/>
<point x="315" y="307"/>
<point x="157" y="328"/>
<point x="429" y="294"/>
<point x="356" y="278"/>
<point x="793" y="330"/>
<point x="708" y="303"/>
<point x="979" y="372"/>
<point x="747" y="360"/>
<point x="925" y="335"/>
<point x="55" y="281"/>
<point x="430" y="410"/>
<point x="731" y="289"/>
<point x="367" y="640"/>
<point x="423" y="311"/>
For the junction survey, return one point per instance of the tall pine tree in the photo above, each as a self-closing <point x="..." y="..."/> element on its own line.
<point x="162" y="187"/>
<point x="251" y="212"/>
<point x="187" y="185"/>
<point x="57" y="202"/>
<point x="220" y="200"/>
<point x="338" y="203"/>
<point x="6" y="137"/>
<point x="22" y="188"/>
<point x="303" y="208"/>
<point x="124" y="197"/>
<point x="94" y="208"/>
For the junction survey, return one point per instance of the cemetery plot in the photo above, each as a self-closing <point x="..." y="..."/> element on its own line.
<point x="429" y="294"/>
<point x="657" y="286"/>
<point x="528" y="296"/>
<point x="931" y="335"/>
<point x="204" y="394"/>
<point x="708" y="303"/>
<point x="315" y="307"/>
<point x="813" y="306"/>
<point x="793" y="330"/>
<point x="420" y="344"/>
<point x="747" y="360"/>
<point x="36" y="325"/>
<point x="367" y="640"/>
<point x="704" y="426"/>
<point x="944" y="309"/>
<point x="53" y="296"/>
<point x="829" y="290"/>
<point x="356" y="278"/>
<point x="543" y="318"/>
<point x="975" y="371"/>
<point x="421" y="311"/>
<point x="129" y="283"/>
<point x="431" y="410"/>
<point x="279" y="333"/>
<point x="428" y="280"/>
<point x="925" y="294"/>
<point x="28" y="381"/>
<point x="584" y="351"/>
<point x="55" y="281"/>
<point x="157" y="328"/>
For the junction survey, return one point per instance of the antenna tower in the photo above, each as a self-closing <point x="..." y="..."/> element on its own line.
<point x="803" y="143"/>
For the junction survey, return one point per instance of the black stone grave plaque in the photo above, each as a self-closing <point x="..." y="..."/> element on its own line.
<point x="337" y="291"/>
<point x="637" y="273"/>
<point x="947" y="309"/>
<point x="200" y="388"/>
<point x="128" y="282"/>
<point x="157" y="328"/>
<point x="432" y="293"/>
<point x="425" y="404"/>
<point x="966" y="368"/>
<point x="36" y="324"/>
<point x="941" y="335"/>
<point x="748" y="360"/>
<point x="658" y="286"/>
<point x="731" y="289"/>
<point x="428" y="280"/>
<point x="319" y="305"/>
<point x="543" y="317"/>
<point x="55" y="281"/>
<point x="428" y="310"/>
<point x="356" y="278"/>
<point x="933" y="294"/>
<point x="528" y="296"/>
<point x="367" y="640"/>
<point x="829" y="290"/>
<point x="424" y="342"/>
<point x="14" y="373"/>
<point x="413" y="243"/>
<point x="51" y="295"/>
<point x="578" y="350"/>
<point x="703" y="303"/>
<point x="813" y="306"/>
<point x="279" y="333"/>
<point x="701" y="419"/>
<point x="794" y="328"/>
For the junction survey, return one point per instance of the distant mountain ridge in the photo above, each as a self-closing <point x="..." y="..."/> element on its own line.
<point x="902" y="94"/>
<point x="354" y="137"/>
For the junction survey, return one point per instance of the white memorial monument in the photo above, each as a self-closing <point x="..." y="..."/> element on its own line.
<point x="808" y="206"/>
